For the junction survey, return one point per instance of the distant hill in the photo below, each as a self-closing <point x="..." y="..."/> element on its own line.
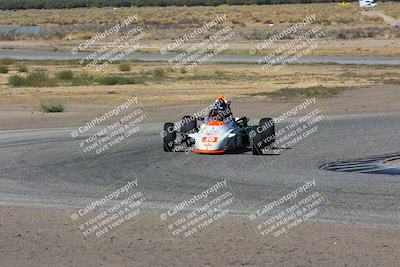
<point x="47" y="4"/>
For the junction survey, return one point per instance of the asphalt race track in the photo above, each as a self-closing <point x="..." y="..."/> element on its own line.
<point x="149" y="57"/>
<point x="43" y="168"/>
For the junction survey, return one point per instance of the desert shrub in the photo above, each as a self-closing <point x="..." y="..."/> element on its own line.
<point x="36" y="79"/>
<point x="3" y="69"/>
<point x="51" y="107"/>
<point x="22" y="68"/>
<point x="357" y="33"/>
<point x="65" y="75"/>
<point x="219" y="73"/>
<point x="113" y="80"/>
<point x="16" y="81"/>
<point x="159" y="73"/>
<point x="238" y="22"/>
<point x="82" y="79"/>
<point x="109" y="80"/>
<point x="170" y="69"/>
<point x="124" y="66"/>
<point x="40" y="79"/>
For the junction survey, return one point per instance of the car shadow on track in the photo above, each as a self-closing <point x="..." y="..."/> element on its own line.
<point x="271" y="152"/>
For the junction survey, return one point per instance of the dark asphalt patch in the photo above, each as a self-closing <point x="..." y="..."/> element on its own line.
<point x="371" y="165"/>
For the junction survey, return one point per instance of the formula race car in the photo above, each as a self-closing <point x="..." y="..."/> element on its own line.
<point x="219" y="132"/>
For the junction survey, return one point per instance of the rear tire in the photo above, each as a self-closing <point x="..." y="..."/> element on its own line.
<point x="268" y="132"/>
<point x="255" y="140"/>
<point x="262" y="136"/>
<point x="169" y="137"/>
<point x="189" y="125"/>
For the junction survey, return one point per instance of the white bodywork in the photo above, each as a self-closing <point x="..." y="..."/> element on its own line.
<point x="214" y="138"/>
<point x="367" y="3"/>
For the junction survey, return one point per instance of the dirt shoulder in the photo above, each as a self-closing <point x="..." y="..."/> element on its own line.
<point x="326" y="47"/>
<point x="39" y="237"/>
<point x="374" y="99"/>
<point x="389" y="20"/>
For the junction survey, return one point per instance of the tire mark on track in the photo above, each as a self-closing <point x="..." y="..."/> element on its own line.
<point x="372" y="165"/>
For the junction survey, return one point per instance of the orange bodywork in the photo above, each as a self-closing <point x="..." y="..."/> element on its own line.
<point x="215" y="123"/>
<point x="210" y="140"/>
<point x="200" y="151"/>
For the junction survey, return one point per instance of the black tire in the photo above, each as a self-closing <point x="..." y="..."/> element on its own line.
<point x="268" y="132"/>
<point x="189" y="125"/>
<point x="255" y="140"/>
<point x="262" y="135"/>
<point x="169" y="136"/>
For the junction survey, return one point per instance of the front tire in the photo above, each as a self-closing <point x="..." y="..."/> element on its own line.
<point x="262" y="135"/>
<point x="169" y="137"/>
<point x="189" y="125"/>
<point x="268" y="132"/>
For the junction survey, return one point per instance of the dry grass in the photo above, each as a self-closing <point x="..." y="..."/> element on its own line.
<point x="166" y="23"/>
<point x="391" y="9"/>
<point x="207" y="81"/>
<point x="79" y="36"/>
<point x="68" y="27"/>
<point x="327" y="13"/>
<point x="314" y="91"/>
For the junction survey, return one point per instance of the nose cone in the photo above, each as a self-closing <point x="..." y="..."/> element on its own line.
<point x="209" y="145"/>
<point x="209" y="151"/>
<point x="211" y="138"/>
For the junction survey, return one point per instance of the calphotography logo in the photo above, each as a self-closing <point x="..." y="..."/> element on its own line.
<point x="176" y="135"/>
<point x="112" y="45"/>
<point x="196" y="33"/>
<point x="115" y="207"/>
<point x="200" y="211"/>
<point x="300" y="45"/>
<point x="101" y="36"/>
<point x="289" y="210"/>
<point x="98" y="136"/>
<point x="297" y="126"/>
<point x="215" y="41"/>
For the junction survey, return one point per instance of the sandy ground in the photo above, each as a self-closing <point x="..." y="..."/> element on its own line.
<point x="46" y="237"/>
<point x="329" y="47"/>
<point x="375" y="99"/>
<point x="38" y="237"/>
